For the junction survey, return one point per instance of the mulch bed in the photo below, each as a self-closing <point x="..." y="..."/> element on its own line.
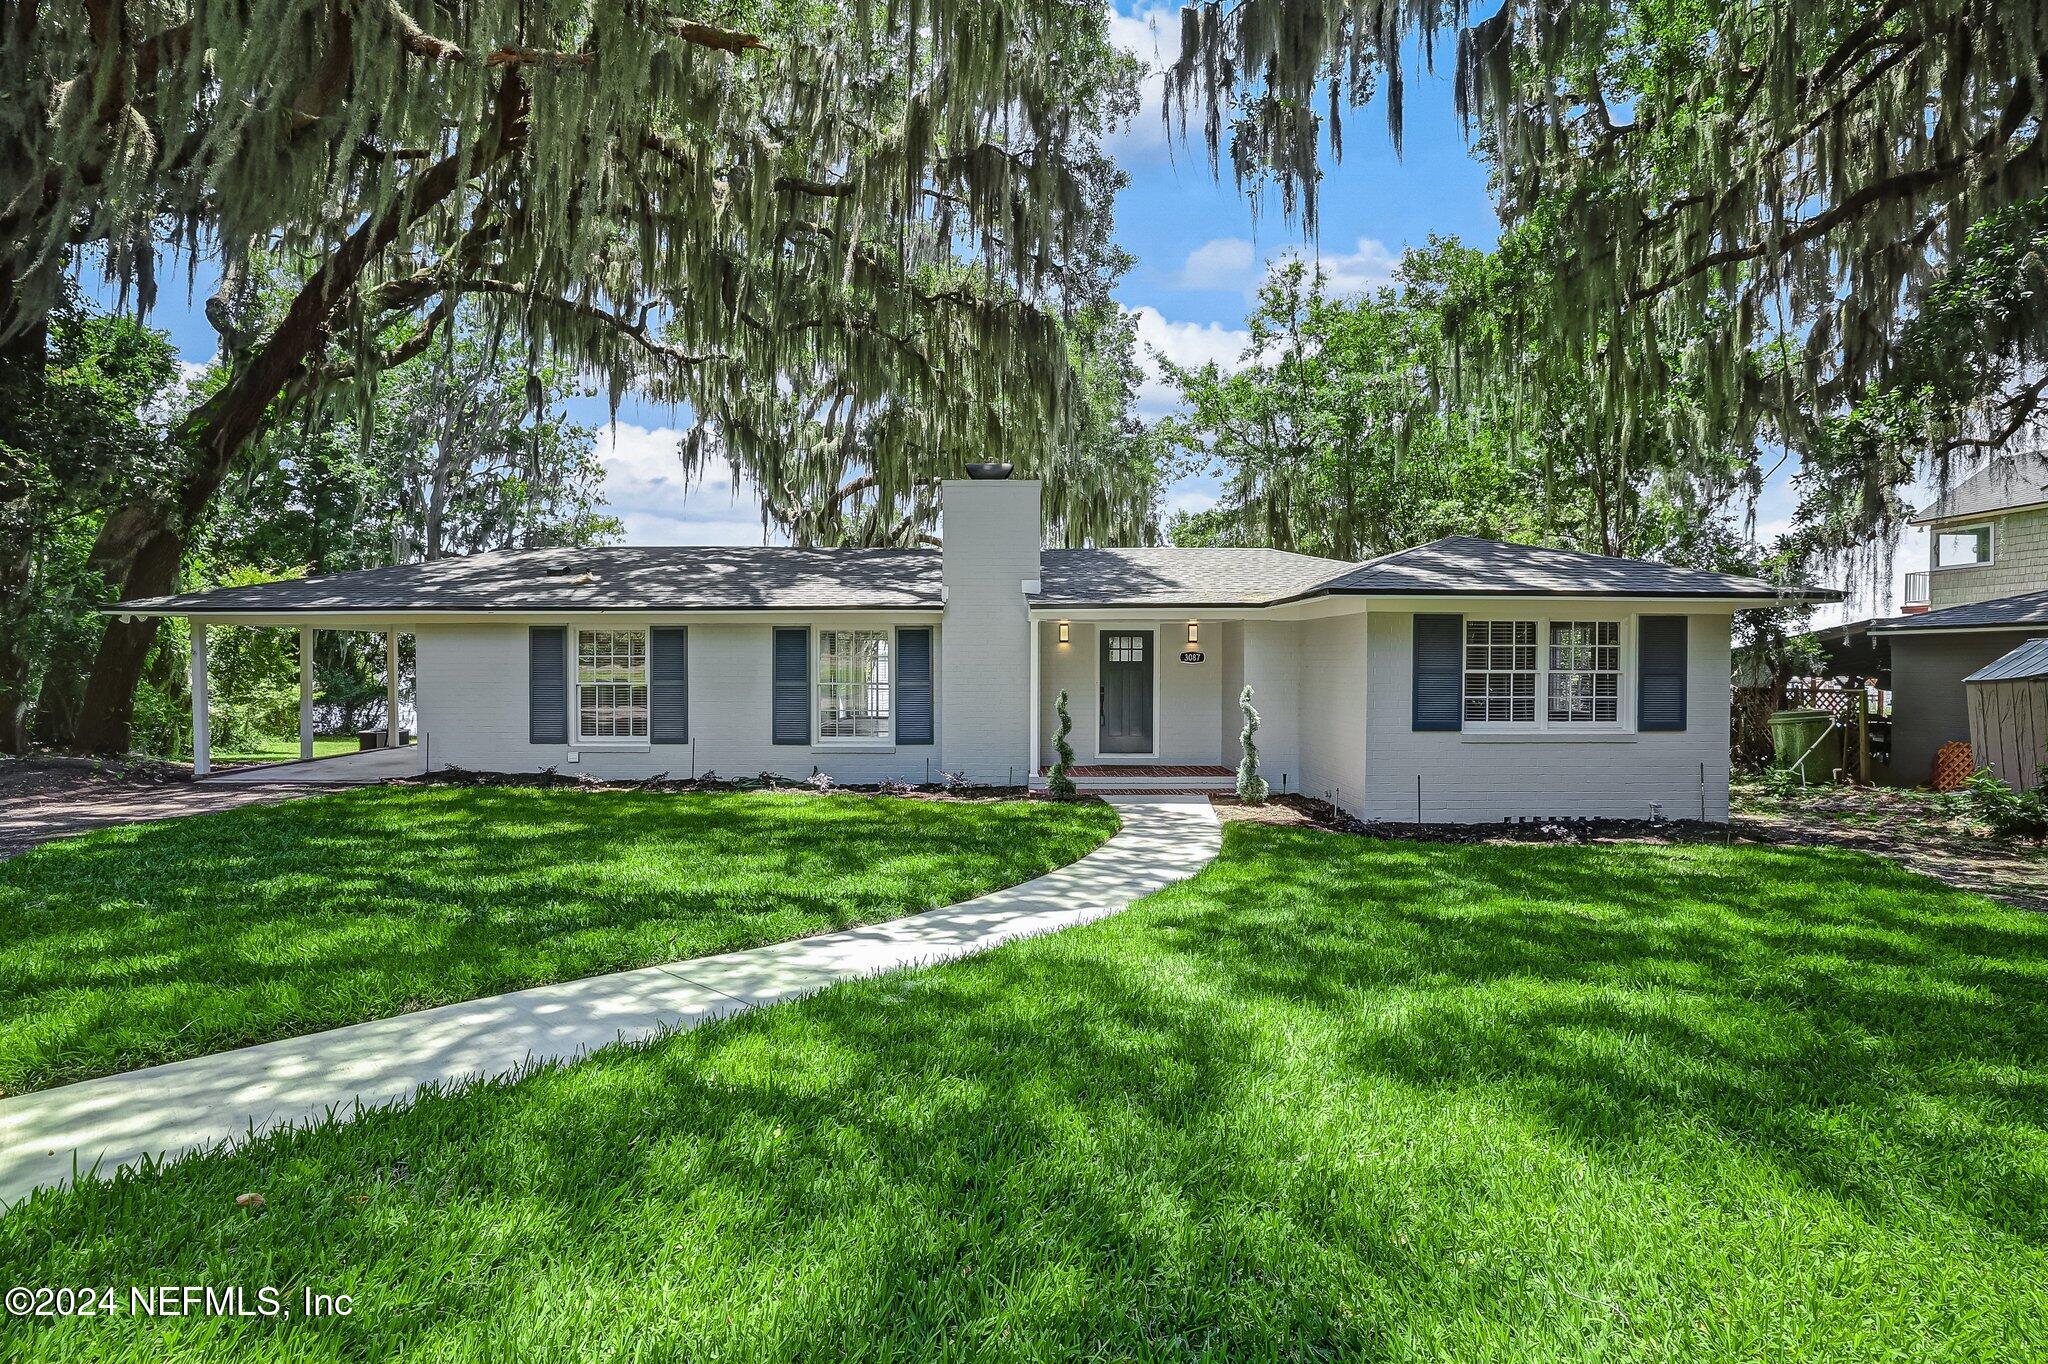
<point x="551" y="779"/>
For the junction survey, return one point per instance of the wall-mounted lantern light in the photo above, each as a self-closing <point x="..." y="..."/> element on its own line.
<point x="1065" y="637"/>
<point x="1194" y="633"/>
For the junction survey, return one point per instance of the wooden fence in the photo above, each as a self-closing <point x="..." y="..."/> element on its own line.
<point x="1859" y="718"/>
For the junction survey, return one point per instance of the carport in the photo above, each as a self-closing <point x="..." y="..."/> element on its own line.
<point x="346" y="767"/>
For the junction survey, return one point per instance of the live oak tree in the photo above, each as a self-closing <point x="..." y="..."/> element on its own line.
<point x="700" y="203"/>
<point x="1761" y="200"/>
<point x="1346" y="429"/>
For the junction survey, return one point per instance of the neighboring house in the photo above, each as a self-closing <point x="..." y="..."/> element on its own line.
<point x="1986" y="593"/>
<point x="1461" y="680"/>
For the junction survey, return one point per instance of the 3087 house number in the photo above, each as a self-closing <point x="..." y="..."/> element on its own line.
<point x="1191" y="656"/>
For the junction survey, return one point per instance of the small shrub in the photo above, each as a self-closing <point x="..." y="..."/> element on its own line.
<point x="819" y="782"/>
<point x="953" y="781"/>
<point x="1061" y="783"/>
<point x="2009" y="814"/>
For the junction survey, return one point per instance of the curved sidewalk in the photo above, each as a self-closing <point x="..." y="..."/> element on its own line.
<point x="172" y="1109"/>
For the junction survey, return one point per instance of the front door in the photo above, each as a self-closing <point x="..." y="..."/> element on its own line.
<point x="1126" y="701"/>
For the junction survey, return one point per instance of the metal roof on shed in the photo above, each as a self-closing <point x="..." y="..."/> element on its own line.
<point x="2029" y="660"/>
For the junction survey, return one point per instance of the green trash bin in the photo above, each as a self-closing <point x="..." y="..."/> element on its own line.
<point x="1807" y="742"/>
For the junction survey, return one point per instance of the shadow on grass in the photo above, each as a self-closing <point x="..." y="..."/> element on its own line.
<point x="1329" y="1099"/>
<point x="139" y="945"/>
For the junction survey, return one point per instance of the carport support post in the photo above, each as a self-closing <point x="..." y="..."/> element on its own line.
<point x="202" y="731"/>
<point x="305" y="693"/>
<point x="391" y="686"/>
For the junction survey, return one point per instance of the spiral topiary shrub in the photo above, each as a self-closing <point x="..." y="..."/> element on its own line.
<point x="1060" y="783"/>
<point x="1251" y="787"/>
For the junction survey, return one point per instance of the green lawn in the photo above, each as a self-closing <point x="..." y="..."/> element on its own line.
<point x="153" y="942"/>
<point x="285" y="750"/>
<point x="1332" y="1099"/>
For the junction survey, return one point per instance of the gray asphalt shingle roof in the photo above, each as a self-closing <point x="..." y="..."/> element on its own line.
<point x="1191" y="576"/>
<point x="2029" y="660"/>
<point x="691" y="578"/>
<point x="2028" y="608"/>
<point x="611" y="578"/>
<point x="2019" y="479"/>
<point x="1464" y="565"/>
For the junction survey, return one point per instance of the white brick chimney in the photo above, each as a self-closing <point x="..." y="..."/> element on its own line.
<point x="990" y="532"/>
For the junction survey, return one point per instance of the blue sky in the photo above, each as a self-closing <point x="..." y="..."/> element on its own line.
<point x="1200" y="248"/>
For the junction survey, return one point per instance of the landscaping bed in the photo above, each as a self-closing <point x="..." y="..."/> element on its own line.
<point x="1931" y="832"/>
<point x="1332" y="1098"/>
<point x="147" y="943"/>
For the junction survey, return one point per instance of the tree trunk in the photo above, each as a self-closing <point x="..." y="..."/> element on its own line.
<point x="22" y="360"/>
<point x="217" y="432"/>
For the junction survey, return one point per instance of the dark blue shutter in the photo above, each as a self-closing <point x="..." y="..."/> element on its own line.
<point x="1439" y="672"/>
<point x="792" y="686"/>
<point x="668" y="685"/>
<point x="1660" y="681"/>
<point x="547" y="684"/>
<point x="914" y="685"/>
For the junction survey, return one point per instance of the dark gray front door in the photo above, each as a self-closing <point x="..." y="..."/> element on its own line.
<point x="1126" y="691"/>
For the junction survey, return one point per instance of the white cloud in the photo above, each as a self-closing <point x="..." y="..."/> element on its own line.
<point x="1150" y="35"/>
<point x="1235" y="265"/>
<point x="644" y="488"/>
<point x="1367" y="266"/>
<point x="1221" y="263"/>
<point x="1184" y="343"/>
<point x="1185" y="498"/>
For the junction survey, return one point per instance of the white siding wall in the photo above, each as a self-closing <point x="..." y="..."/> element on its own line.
<point x="1466" y="777"/>
<point x="1337" y="693"/>
<point x="1272" y="668"/>
<point x="473" y="708"/>
<point x="1187" y="712"/>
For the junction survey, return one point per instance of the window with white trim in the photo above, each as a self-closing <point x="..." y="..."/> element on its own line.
<point x="1500" y="671"/>
<point x="1573" y="666"/>
<point x="1585" y="672"/>
<point x="611" y="684"/>
<point x="854" y="688"/>
<point x="1962" y="547"/>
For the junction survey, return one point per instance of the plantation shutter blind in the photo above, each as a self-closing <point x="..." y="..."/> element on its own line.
<point x="668" y="682"/>
<point x="914" y="685"/>
<point x="792" y="702"/>
<point x="547" y="684"/>
<point x="1439" y="670"/>
<point x="1660" y="673"/>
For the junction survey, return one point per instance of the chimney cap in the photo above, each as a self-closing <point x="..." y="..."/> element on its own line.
<point x="987" y="471"/>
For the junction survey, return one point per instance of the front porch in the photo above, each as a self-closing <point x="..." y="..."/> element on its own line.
<point x="1153" y="699"/>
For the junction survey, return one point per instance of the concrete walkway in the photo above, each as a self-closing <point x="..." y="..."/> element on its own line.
<point x="366" y="768"/>
<point x="176" y="1108"/>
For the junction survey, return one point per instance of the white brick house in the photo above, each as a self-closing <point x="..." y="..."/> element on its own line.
<point x="1460" y="680"/>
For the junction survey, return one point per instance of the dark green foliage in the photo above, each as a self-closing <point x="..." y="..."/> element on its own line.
<point x="158" y="941"/>
<point x="2006" y="812"/>
<point x="1332" y="1099"/>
